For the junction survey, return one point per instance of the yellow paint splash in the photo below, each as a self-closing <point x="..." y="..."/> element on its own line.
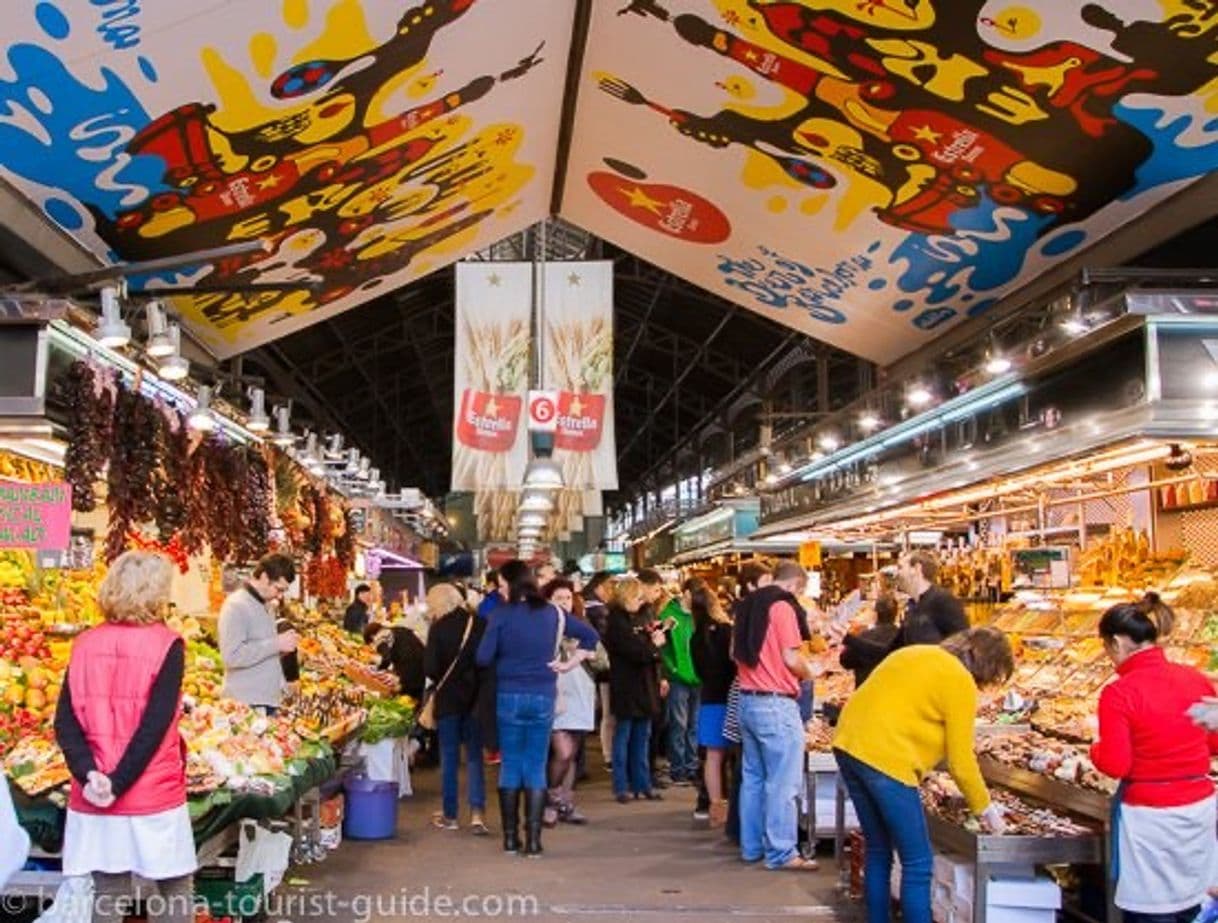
<point x="345" y="36"/>
<point x="776" y="204"/>
<point x="1018" y="22"/>
<point x="812" y="205"/>
<point x="239" y="107"/>
<point x="387" y="101"/>
<point x="262" y="53"/>
<point x="296" y="13"/>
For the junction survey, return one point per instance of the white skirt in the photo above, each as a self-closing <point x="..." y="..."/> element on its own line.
<point x="1168" y="856"/>
<point x="153" y="846"/>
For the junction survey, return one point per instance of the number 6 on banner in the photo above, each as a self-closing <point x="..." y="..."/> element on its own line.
<point x="543" y="411"/>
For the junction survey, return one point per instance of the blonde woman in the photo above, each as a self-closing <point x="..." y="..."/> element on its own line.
<point x="117" y="724"/>
<point x="634" y="688"/>
<point x="448" y="661"/>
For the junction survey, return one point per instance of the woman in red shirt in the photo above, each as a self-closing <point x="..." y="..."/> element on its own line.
<point x="1166" y="854"/>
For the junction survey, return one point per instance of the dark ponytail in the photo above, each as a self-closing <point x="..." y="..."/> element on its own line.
<point x="1143" y="622"/>
<point x="522" y="585"/>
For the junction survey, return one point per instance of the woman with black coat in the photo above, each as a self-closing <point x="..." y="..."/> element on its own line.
<point x="712" y="653"/>
<point x="634" y="688"/>
<point x="449" y="663"/>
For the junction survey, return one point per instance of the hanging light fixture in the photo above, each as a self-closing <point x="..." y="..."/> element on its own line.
<point x="159" y="346"/>
<point x="829" y="442"/>
<point x="869" y="421"/>
<point x="201" y="418"/>
<point x="175" y="366"/>
<point x="257" y="421"/>
<point x="283" y="427"/>
<point x="353" y="461"/>
<point x="111" y="330"/>
<point x="543" y="474"/>
<point x="536" y="501"/>
<point x="365" y="469"/>
<point x="531" y="519"/>
<point x="996" y="363"/>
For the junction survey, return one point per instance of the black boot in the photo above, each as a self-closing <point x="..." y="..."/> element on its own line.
<point x="509" y="812"/>
<point x="532" y="831"/>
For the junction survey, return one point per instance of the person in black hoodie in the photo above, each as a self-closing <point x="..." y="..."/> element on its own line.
<point x="596" y="609"/>
<point x="862" y="653"/>
<point x="634" y="688"/>
<point x="449" y="663"/>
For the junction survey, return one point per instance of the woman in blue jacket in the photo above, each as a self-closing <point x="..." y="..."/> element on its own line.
<point x="521" y="641"/>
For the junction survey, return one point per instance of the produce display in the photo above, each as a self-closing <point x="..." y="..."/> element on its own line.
<point x="389" y="718"/>
<point x="818" y="736"/>
<point x="334" y="652"/>
<point x="942" y="798"/>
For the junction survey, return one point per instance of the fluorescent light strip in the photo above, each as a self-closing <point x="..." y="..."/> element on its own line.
<point x="988" y="395"/>
<point x="82" y="346"/>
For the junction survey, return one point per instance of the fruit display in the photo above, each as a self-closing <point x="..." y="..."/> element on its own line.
<point x="36" y="764"/>
<point x="332" y="651"/>
<point x="391" y="717"/>
<point x="942" y="798"/>
<point x="1047" y="756"/>
<point x="324" y="705"/>
<point x="231" y="742"/>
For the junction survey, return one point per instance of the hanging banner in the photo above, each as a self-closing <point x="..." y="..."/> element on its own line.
<point x="491" y="376"/>
<point x="35" y="516"/>
<point x="366" y="142"/>
<point x="579" y="365"/>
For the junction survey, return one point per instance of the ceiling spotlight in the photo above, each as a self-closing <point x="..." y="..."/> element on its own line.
<point x="543" y="474"/>
<point x="1180" y="459"/>
<point x="785" y="468"/>
<point x="1075" y="323"/>
<point x="535" y="501"/>
<point x="997" y="364"/>
<point x="111" y="330"/>
<point x="283" y="427"/>
<point x="257" y="421"/>
<point x="175" y="366"/>
<point x="334" y="445"/>
<point x="374" y="474"/>
<point x="201" y="418"/>
<point x="869" y="422"/>
<point x="829" y="442"/>
<point x="353" y="461"/>
<point x="159" y="344"/>
<point x="918" y="396"/>
<point x="771" y="478"/>
<point x="365" y="469"/>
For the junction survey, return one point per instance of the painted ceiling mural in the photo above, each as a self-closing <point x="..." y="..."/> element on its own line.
<point x="872" y="171"/>
<point x="369" y="141"/>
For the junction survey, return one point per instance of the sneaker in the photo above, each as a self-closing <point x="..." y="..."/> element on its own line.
<point x="701" y="815"/>
<point x="493" y="758"/>
<point x="682" y="783"/>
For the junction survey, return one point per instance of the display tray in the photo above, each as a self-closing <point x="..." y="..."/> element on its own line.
<point x="1020" y="850"/>
<point x="1062" y="795"/>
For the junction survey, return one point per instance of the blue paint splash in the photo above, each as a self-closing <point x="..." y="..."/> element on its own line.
<point x="877" y="284"/>
<point x="982" y="306"/>
<point x="88" y="130"/>
<point x="52" y="21"/>
<point x="64" y="214"/>
<point x="903" y="305"/>
<point x="1169" y="160"/>
<point x="148" y="69"/>
<point x="987" y="251"/>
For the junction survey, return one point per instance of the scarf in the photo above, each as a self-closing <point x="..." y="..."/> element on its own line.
<point x="753" y="621"/>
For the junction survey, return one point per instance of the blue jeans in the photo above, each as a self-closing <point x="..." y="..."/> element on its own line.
<point x="453" y="731"/>
<point x="524" y="738"/>
<point x="891" y="817"/>
<point x="773" y="743"/>
<point x="631" y="771"/>
<point x="683" y="731"/>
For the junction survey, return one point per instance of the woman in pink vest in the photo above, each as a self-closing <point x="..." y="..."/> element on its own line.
<point x="117" y="724"/>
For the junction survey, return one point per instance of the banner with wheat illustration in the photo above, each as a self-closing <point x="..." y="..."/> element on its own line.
<point x="578" y="312"/>
<point x="490" y="439"/>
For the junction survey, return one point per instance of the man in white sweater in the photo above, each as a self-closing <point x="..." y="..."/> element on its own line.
<point x="250" y="644"/>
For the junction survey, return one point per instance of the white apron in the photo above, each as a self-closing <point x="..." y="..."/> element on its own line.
<point x="1168" y="856"/>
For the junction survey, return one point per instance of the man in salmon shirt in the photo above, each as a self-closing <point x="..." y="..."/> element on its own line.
<point x="767" y="650"/>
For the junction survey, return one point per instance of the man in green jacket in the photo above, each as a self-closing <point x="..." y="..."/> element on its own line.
<point x="683" y="688"/>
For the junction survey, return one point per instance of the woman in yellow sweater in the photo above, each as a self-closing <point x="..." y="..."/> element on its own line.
<point x="916" y="710"/>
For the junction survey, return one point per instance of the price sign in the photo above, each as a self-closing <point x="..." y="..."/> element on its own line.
<point x="543" y="411"/>
<point x="35" y="516"/>
<point x="809" y="555"/>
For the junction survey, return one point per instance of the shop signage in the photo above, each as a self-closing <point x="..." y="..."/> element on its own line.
<point x="35" y="516"/>
<point x="1186" y="358"/>
<point x="543" y="411"/>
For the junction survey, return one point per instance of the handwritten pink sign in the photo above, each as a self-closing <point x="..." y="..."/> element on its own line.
<point x="35" y="516"/>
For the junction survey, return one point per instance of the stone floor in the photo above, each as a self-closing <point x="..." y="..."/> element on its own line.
<point x="636" y="860"/>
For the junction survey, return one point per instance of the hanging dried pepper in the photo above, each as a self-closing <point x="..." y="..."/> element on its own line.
<point x="133" y="461"/>
<point x="90" y="418"/>
<point x="171" y="481"/>
<point x="344" y="544"/>
<point x="254" y="524"/>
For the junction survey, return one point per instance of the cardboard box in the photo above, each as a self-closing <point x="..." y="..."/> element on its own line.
<point x="1038" y="893"/>
<point x="957" y="873"/>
